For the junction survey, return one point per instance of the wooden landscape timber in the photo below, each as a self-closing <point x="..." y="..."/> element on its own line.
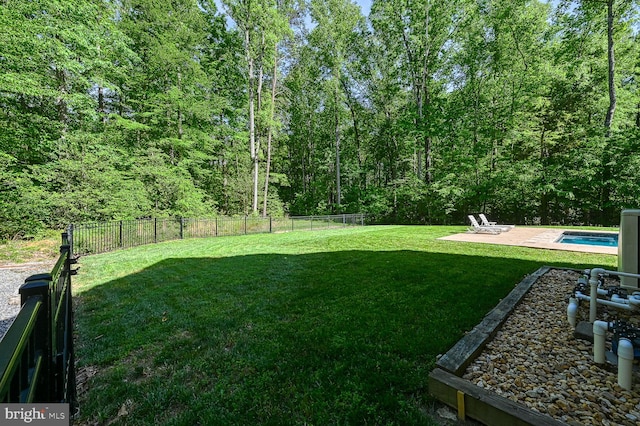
<point x="447" y="385"/>
<point x="483" y="405"/>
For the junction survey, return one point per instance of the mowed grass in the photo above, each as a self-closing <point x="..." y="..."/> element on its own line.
<point x="328" y="327"/>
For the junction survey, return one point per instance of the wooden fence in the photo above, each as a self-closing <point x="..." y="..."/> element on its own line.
<point x="36" y="353"/>
<point x="100" y="237"/>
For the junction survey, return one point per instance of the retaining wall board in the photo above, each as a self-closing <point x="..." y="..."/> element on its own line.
<point x="483" y="405"/>
<point x="458" y="358"/>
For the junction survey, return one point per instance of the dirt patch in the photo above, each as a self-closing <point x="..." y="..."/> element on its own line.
<point x="83" y="375"/>
<point x="18" y="253"/>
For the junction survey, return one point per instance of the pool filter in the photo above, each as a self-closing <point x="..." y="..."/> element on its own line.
<point x="628" y="253"/>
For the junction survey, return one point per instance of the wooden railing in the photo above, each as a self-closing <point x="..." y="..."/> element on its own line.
<point x="36" y="353"/>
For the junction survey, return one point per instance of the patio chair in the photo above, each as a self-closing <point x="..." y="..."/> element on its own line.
<point x="485" y="222"/>
<point x="479" y="229"/>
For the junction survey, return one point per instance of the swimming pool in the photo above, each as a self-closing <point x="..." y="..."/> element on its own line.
<point x="606" y="239"/>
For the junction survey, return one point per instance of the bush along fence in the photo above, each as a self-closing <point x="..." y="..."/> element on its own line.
<point x="100" y="237"/>
<point x="36" y="353"/>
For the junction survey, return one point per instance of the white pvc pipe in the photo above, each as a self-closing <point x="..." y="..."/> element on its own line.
<point x="599" y="332"/>
<point x="620" y="274"/>
<point x="572" y="311"/>
<point x="585" y="280"/>
<point x="632" y="300"/>
<point x="593" y="282"/>
<point x="616" y="301"/>
<point x="625" y="363"/>
<point x="581" y="296"/>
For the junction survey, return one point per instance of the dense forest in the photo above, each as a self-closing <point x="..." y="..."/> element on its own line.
<point x="421" y="112"/>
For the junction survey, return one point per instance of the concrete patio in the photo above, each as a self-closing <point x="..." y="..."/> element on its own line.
<point x="534" y="237"/>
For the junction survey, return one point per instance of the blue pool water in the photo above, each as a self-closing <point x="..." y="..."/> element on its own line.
<point x="589" y="238"/>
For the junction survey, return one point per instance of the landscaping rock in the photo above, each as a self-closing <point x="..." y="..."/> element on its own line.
<point x="11" y="278"/>
<point x="552" y="371"/>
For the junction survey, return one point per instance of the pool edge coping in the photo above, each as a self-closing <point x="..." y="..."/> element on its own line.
<point x="532" y="237"/>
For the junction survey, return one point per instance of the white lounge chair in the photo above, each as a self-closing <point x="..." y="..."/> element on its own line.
<point x="479" y="229"/>
<point x="485" y="222"/>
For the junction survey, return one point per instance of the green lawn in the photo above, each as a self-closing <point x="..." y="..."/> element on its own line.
<point x="328" y="327"/>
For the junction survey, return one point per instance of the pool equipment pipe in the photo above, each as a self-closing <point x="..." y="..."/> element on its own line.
<point x="625" y="363"/>
<point x="593" y="283"/>
<point x="599" y="333"/>
<point x="580" y="293"/>
<point x="580" y="296"/>
<point x="625" y="350"/>
<point x="572" y="311"/>
<point x="594" y="275"/>
<point x="616" y="302"/>
<point x="624" y="329"/>
<point x="627" y="306"/>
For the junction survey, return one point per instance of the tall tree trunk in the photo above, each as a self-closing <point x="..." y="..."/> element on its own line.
<point x="605" y="198"/>
<point x="256" y="156"/>
<point x="180" y="130"/>
<point x="63" y="113"/>
<point x="356" y="134"/>
<point x="172" y="151"/>
<point x="610" y="53"/>
<point x="270" y="129"/>
<point x="337" y="135"/>
<point x="307" y="170"/>
<point x="417" y="86"/>
<point x="428" y="142"/>
<point x="252" y="124"/>
<point x="101" y="107"/>
<point x="544" y="195"/>
<point x="426" y="98"/>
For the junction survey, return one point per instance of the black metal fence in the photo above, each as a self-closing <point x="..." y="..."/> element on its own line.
<point x="36" y="353"/>
<point x="100" y="237"/>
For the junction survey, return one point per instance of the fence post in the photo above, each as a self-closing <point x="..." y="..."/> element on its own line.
<point x="39" y="285"/>
<point x="182" y="228"/>
<point x="46" y="370"/>
<point x="155" y="229"/>
<point x="344" y="220"/>
<point x="70" y="238"/>
<point x="245" y="224"/>
<point x="270" y="225"/>
<point x="120" y="235"/>
<point x="216" y="226"/>
<point x="67" y="368"/>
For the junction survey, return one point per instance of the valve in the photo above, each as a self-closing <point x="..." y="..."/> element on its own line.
<point x="618" y="291"/>
<point x="622" y="329"/>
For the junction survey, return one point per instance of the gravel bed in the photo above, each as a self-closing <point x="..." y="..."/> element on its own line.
<point x="536" y="360"/>
<point x="11" y="278"/>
